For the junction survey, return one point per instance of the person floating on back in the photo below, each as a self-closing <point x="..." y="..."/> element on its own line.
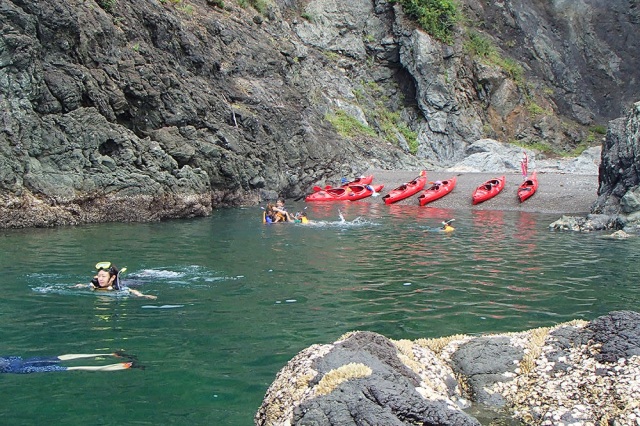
<point x="17" y="365"/>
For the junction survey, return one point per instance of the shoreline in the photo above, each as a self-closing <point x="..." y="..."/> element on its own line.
<point x="558" y="193"/>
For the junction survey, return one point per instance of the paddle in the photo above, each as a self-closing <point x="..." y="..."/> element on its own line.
<point x="422" y="174"/>
<point x="317" y="188"/>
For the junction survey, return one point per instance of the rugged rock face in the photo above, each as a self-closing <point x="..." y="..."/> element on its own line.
<point x="618" y="203"/>
<point x="573" y="373"/>
<point x="144" y="110"/>
<point x="582" y="53"/>
<point x="619" y="190"/>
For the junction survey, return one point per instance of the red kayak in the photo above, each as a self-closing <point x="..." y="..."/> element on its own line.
<point x="362" y="180"/>
<point x="344" y="193"/>
<point x="528" y="187"/>
<point x="438" y="190"/>
<point x="406" y="190"/>
<point x="488" y="190"/>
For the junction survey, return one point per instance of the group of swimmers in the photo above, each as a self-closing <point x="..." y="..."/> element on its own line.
<point x="275" y="213"/>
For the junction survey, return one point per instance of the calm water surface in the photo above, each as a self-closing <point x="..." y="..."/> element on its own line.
<point x="237" y="299"/>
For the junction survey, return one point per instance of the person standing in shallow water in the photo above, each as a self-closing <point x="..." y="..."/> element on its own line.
<point x="108" y="279"/>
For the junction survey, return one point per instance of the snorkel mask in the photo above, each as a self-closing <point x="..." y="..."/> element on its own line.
<point x="107" y="266"/>
<point x="103" y="266"/>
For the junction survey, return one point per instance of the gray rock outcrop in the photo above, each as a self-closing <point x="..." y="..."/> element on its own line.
<point x="491" y="156"/>
<point x="619" y="191"/>
<point x="145" y="110"/>
<point x="573" y="373"/>
<point x="618" y="203"/>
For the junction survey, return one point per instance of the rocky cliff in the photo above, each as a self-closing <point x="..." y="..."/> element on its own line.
<point x="618" y="203"/>
<point x="144" y="110"/>
<point x="619" y="190"/>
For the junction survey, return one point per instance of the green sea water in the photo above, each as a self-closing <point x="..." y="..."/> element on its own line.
<point x="237" y="299"/>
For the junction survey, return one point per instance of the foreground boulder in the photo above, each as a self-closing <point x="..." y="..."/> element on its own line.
<point x="573" y="373"/>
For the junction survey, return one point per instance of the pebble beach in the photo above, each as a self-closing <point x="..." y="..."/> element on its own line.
<point x="558" y="193"/>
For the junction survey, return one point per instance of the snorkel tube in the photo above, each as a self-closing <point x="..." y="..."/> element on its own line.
<point x="117" y="281"/>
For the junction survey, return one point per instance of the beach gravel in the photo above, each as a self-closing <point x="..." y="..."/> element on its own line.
<point x="558" y="193"/>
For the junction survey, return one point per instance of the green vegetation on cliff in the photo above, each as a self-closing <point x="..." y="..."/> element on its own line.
<point x="436" y="17"/>
<point x="480" y="46"/>
<point x="348" y="126"/>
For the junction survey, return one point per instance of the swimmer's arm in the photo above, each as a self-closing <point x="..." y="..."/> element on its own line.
<point x="84" y="286"/>
<point x="93" y="284"/>
<point x="139" y="294"/>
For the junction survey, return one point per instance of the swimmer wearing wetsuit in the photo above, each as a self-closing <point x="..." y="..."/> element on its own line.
<point x="18" y="365"/>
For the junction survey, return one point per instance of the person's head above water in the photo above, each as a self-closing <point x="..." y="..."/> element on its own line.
<point x="105" y="279"/>
<point x="107" y="274"/>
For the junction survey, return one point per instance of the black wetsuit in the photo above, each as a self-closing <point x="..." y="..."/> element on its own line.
<point x="17" y="365"/>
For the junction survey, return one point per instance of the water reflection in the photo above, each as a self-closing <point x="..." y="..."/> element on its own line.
<point x="245" y="297"/>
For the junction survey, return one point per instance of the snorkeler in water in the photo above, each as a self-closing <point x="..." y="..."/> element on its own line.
<point x="447" y="227"/>
<point x="18" y="365"/>
<point x="108" y="278"/>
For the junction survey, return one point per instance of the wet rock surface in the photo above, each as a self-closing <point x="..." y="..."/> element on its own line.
<point x="579" y="372"/>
